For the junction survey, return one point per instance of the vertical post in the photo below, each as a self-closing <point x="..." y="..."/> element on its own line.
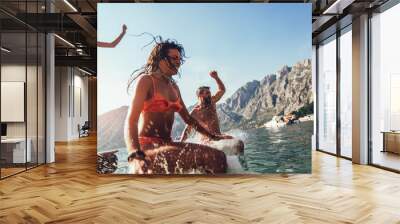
<point x="50" y="92"/>
<point x="315" y="90"/>
<point x="360" y="90"/>
<point x="338" y="118"/>
<point x="0" y="97"/>
<point x="369" y="53"/>
<point x="26" y="87"/>
<point x="37" y="88"/>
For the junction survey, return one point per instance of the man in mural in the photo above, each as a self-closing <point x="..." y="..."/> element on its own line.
<point x="205" y="112"/>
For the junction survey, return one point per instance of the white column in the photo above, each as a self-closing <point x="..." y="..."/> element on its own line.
<point x="50" y="93"/>
<point x="360" y="90"/>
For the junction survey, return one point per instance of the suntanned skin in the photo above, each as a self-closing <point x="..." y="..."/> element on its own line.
<point x="159" y="124"/>
<point x="206" y="113"/>
<point x="115" y="42"/>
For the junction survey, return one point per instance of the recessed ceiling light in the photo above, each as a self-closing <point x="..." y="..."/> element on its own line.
<point x="70" y="5"/>
<point x="86" y="72"/>
<point x="64" y="40"/>
<point x="338" y="6"/>
<point x="5" y="50"/>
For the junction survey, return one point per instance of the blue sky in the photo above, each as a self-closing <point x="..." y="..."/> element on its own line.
<point x="243" y="42"/>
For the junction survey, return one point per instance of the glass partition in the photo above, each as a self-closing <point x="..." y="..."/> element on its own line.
<point x="13" y="105"/>
<point x="385" y="89"/>
<point x="327" y="95"/>
<point x="41" y="96"/>
<point x="346" y="92"/>
<point x="31" y="100"/>
<point x="23" y="91"/>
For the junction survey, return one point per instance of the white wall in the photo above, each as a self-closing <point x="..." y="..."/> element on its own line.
<point x="12" y="73"/>
<point x="80" y="83"/>
<point x="33" y="127"/>
<point x="61" y="103"/>
<point x="71" y="94"/>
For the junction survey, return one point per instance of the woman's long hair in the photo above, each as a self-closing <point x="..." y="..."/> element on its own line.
<point x="159" y="52"/>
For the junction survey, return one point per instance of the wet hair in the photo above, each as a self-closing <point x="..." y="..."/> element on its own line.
<point x="201" y="88"/>
<point x="158" y="53"/>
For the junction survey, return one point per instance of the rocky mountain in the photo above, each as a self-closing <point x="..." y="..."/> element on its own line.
<point x="110" y="129"/>
<point x="288" y="90"/>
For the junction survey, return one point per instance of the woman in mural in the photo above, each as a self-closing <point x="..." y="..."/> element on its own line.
<point x="156" y="97"/>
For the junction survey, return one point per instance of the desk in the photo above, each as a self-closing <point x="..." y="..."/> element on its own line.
<point x="13" y="150"/>
<point x="391" y="141"/>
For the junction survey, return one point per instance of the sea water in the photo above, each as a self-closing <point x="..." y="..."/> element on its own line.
<point x="277" y="150"/>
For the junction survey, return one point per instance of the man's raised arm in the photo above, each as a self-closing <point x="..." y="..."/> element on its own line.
<point x="221" y="87"/>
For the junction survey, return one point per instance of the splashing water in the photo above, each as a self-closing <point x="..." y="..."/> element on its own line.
<point x="239" y="134"/>
<point x="286" y="150"/>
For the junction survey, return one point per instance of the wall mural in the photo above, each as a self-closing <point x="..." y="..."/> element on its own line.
<point x="204" y="88"/>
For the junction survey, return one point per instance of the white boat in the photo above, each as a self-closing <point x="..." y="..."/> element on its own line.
<point x="275" y="122"/>
<point x="307" y="118"/>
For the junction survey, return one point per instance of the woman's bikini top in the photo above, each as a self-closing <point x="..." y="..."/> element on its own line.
<point x="158" y="103"/>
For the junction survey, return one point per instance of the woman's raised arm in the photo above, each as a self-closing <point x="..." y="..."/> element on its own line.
<point x="115" y="42"/>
